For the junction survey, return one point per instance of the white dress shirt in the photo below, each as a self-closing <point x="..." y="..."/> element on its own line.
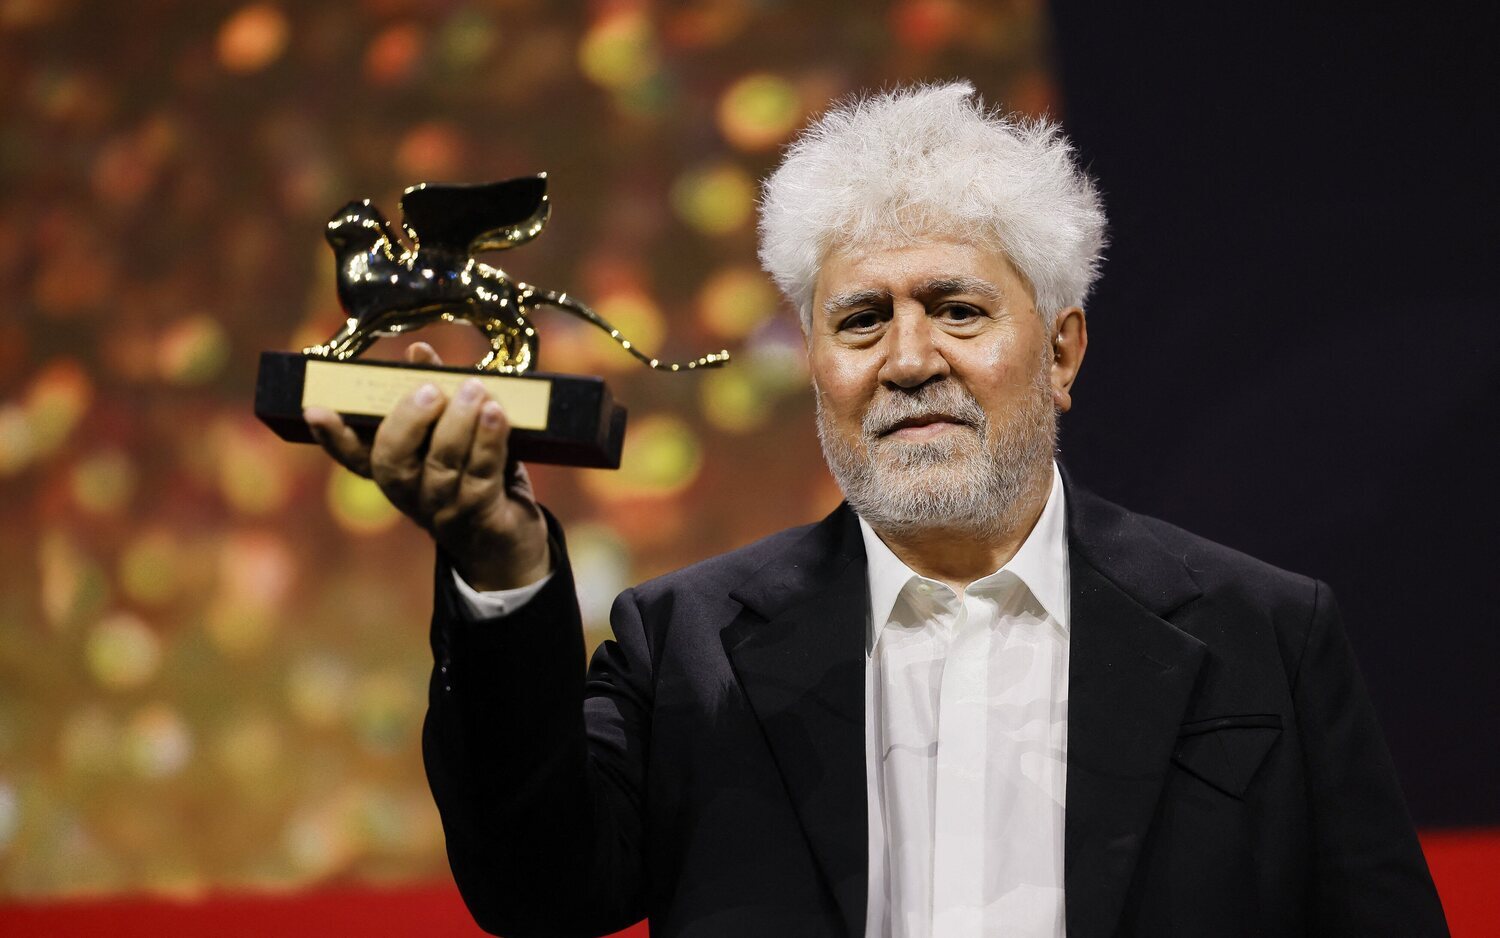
<point x="966" y="718"/>
<point x="966" y="710"/>
<point x="492" y="604"/>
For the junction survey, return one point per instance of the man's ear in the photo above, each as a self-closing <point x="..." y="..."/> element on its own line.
<point x="1070" y="339"/>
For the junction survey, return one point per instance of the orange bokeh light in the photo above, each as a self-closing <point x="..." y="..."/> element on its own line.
<point x="252" y="38"/>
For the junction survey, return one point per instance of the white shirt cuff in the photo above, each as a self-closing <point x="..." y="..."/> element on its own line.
<point x="495" y="604"/>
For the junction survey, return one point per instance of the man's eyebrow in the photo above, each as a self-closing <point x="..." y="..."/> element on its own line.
<point x="948" y="286"/>
<point x="937" y="287"/>
<point x="842" y="301"/>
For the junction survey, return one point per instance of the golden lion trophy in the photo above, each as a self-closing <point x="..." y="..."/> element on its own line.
<point x="386" y="289"/>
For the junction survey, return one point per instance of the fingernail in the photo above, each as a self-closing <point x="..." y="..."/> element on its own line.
<point x="471" y="391"/>
<point x="490" y="416"/>
<point x="427" y="394"/>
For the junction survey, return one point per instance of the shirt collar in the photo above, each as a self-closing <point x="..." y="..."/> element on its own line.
<point x="1041" y="563"/>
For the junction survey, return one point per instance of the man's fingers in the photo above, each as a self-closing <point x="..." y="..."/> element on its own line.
<point x="420" y="353"/>
<point x="396" y="455"/>
<point x="449" y="450"/>
<point x="486" y="476"/>
<point x="341" y="442"/>
<point x="491" y="444"/>
<point x="518" y="482"/>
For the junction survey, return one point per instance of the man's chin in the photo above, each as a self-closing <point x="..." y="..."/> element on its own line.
<point x="895" y="455"/>
<point x="946" y="479"/>
<point x="925" y="508"/>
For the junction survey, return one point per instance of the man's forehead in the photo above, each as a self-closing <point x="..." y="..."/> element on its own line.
<point x="937" y="265"/>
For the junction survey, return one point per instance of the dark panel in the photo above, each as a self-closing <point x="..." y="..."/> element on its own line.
<point x="1296" y="348"/>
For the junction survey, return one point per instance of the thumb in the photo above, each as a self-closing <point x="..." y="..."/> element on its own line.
<point x="420" y="353"/>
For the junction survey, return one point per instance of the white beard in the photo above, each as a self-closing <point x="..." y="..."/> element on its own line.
<point x="981" y="478"/>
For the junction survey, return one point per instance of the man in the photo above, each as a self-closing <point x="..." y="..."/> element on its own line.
<point x="974" y="700"/>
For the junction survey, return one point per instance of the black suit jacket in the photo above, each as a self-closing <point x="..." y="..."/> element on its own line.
<point x="1225" y="773"/>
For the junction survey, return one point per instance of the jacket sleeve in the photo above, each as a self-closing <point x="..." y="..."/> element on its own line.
<point x="536" y="768"/>
<point x="1371" y="877"/>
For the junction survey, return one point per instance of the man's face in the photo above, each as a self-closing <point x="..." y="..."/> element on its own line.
<point x="934" y="380"/>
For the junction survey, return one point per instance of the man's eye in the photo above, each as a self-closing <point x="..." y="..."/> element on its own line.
<point x="959" y="312"/>
<point x="861" y="322"/>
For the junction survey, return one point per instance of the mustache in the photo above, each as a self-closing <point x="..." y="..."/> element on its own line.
<point x="941" y="400"/>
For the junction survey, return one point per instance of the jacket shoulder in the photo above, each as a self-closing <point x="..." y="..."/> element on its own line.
<point x="1245" y="594"/>
<point x="1165" y="565"/>
<point x="1214" y="564"/>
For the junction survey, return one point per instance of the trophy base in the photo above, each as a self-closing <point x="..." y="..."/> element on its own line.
<point x="565" y="420"/>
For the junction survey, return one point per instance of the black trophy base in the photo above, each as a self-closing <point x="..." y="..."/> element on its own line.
<point x="565" y="420"/>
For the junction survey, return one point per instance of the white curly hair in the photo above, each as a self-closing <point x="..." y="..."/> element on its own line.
<point x="925" y="161"/>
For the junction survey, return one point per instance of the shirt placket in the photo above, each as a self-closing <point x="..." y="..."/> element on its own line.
<point x="908" y="659"/>
<point x="959" y="820"/>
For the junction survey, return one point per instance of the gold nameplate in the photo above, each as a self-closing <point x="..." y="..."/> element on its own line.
<point x="354" y="388"/>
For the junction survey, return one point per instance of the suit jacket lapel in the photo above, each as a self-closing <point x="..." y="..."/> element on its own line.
<point x="798" y="650"/>
<point x="1131" y="676"/>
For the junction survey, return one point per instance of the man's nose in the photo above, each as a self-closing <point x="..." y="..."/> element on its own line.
<point x="912" y="357"/>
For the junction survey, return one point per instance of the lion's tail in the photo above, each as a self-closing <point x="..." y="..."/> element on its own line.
<point x="530" y="297"/>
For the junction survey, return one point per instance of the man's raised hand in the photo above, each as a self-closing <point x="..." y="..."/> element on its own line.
<point x="477" y="504"/>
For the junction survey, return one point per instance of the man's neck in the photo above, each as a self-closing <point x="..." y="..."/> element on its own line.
<point x="957" y="556"/>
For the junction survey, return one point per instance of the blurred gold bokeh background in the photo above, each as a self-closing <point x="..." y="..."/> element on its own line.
<point x="213" y="649"/>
